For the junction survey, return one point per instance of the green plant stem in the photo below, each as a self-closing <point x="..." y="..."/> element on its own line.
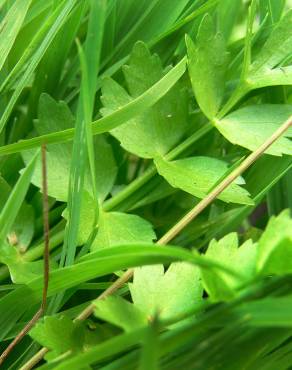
<point x="189" y="142"/>
<point x="130" y="189"/>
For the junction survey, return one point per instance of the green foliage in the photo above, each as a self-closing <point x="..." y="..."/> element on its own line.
<point x="116" y="228"/>
<point x="197" y="176"/>
<point x="135" y="147"/>
<point x="275" y="246"/>
<point x="166" y="293"/>
<point x="207" y="67"/>
<point x="252" y="125"/>
<point x="10" y="26"/>
<point x="121" y="313"/>
<point x="277" y="48"/>
<point x="219" y="285"/>
<point x="59" y="335"/>
<point x="159" y="129"/>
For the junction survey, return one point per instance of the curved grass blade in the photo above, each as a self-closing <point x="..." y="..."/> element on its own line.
<point x="10" y="27"/>
<point x="105" y="124"/>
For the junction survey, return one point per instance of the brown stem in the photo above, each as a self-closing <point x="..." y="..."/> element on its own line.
<point x="177" y="228"/>
<point x="42" y="308"/>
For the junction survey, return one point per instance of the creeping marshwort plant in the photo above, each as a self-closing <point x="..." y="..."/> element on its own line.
<point x="146" y="184"/>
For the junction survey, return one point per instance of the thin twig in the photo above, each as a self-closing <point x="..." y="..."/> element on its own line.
<point x="42" y="308"/>
<point x="177" y="228"/>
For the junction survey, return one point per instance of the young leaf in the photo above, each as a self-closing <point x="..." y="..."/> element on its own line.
<point x="218" y="284"/>
<point x="21" y="271"/>
<point x="157" y="130"/>
<point x="120" y="312"/>
<point x="207" y="62"/>
<point x="54" y="116"/>
<point x="59" y="334"/>
<point x="167" y="293"/>
<point x="197" y="176"/>
<point x="275" y="246"/>
<point x="117" y="228"/>
<point x="252" y="125"/>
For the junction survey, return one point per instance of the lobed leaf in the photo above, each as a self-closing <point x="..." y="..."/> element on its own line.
<point x="157" y="130"/>
<point x="197" y="176"/>
<point x="54" y="116"/>
<point x="252" y="125"/>
<point x="275" y="246"/>
<point x="243" y="259"/>
<point x="207" y="64"/>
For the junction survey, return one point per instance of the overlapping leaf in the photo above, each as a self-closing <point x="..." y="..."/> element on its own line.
<point x="242" y="259"/>
<point x="207" y="63"/>
<point x="116" y="228"/>
<point x="252" y="125"/>
<point x="166" y="293"/>
<point x="54" y="116"/>
<point x="157" y="130"/>
<point x="275" y="246"/>
<point x="197" y="176"/>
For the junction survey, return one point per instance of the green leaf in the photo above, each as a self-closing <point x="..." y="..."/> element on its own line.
<point x="272" y="77"/>
<point x="54" y="116"/>
<point x="275" y="246"/>
<point x="166" y="293"/>
<point x="197" y="176"/>
<point x="228" y="11"/>
<point x="116" y="228"/>
<point x="56" y="21"/>
<point x="269" y="312"/>
<point x="20" y="271"/>
<point x="252" y="125"/>
<point x="243" y="260"/>
<point x="120" y="312"/>
<point x="59" y="334"/>
<point x="22" y="230"/>
<point x="107" y="349"/>
<point x="12" y="206"/>
<point x="157" y="130"/>
<point x="10" y="27"/>
<point x="207" y="63"/>
<point x="91" y="266"/>
<point x="274" y="9"/>
<point x="105" y="124"/>
<point x="150" y="347"/>
<point x="277" y="47"/>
